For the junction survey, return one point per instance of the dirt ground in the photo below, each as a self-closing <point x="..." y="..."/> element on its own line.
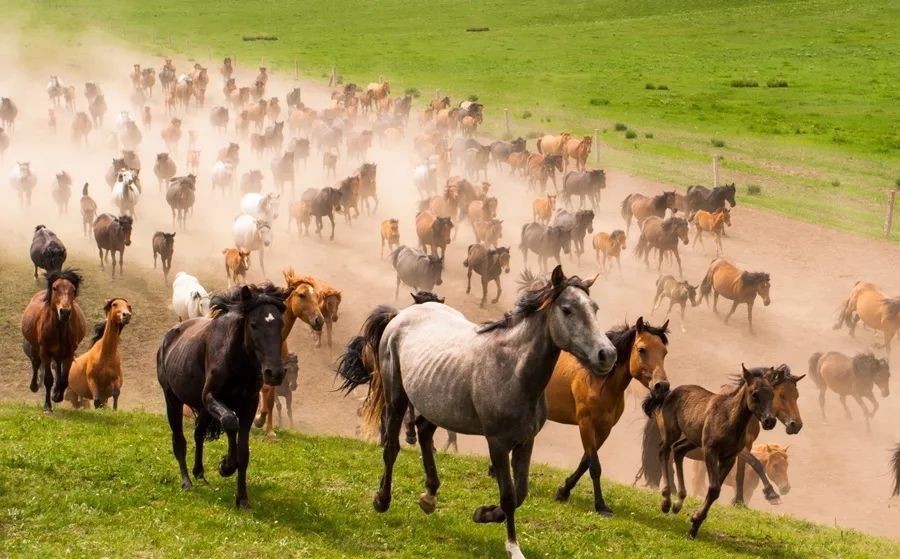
<point x="812" y="271"/>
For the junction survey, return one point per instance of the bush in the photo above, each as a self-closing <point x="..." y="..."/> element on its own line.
<point x="662" y="87"/>
<point x="754" y="190"/>
<point x="744" y="83"/>
<point x="648" y="135"/>
<point x="717" y="142"/>
<point x="835" y="183"/>
<point x="598" y="102"/>
<point x="897" y="183"/>
<point x="473" y="98"/>
<point x="526" y="114"/>
<point x="259" y="38"/>
<point x="777" y="83"/>
<point x="649" y="86"/>
<point x="630" y="134"/>
<point x="620" y="127"/>
<point x="412" y="91"/>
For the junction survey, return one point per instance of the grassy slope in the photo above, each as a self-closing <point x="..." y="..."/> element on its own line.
<point x="836" y="123"/>
<point x="102" y="483"/>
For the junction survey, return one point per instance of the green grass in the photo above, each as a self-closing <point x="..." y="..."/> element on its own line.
<point x="90" y="484"/>
<point x="583" y="66"/>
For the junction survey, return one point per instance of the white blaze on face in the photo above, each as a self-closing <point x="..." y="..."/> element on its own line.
<point x="269" y="317"/>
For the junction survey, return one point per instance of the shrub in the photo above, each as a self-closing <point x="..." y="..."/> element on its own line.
<point x="835" y="183"/>
<point x="648" y="135"/>
<point x="259" y="38"/>
<point x="777" y="83"/>
<point x="412" y="91"/>
<point x="717" y="142"/>
<point x="897" y="183"/>
<point x="598" y="102"/>
<point x="744" y="83"/>
<point x="754" y="190"/>
<point x="473" y="98"/>
<point x="662" y="87"/>
<point x="526" y="114"/>
<point x="630" y="134"/>
<point x="620" y="127"/>
<point x="649" y="86"/>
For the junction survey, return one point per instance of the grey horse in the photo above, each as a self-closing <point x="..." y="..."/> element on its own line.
<point x="484" y="380"/>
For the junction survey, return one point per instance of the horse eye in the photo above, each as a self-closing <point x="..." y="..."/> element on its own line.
<point x="566" y="310"/>
<point x="755" y="397"/>
<point x="642" y="351"/>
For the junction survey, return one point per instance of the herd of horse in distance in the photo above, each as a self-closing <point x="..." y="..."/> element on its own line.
<point x="426" y="366"/>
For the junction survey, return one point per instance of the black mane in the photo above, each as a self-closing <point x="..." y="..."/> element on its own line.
<point x="70" y="274"/>
<point x="532" y="300"/>
<point x="622" y="337"/>
<point x="672" y="223"/>
<point x="233" y="300"/>
<point x="754" y="278"/>
<point x="892" y="306"/>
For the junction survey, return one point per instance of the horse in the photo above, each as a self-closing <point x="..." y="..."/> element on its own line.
<point x="611" y="246"/>
<point x="23" y="181"/>
<point x="287" y="388"/>
<point x="97" y="107"/>
<point x="164" y="169"/>
<point x="542" y="208"/>
<point x="774" y="460"/>
<point x="663" y="235"/>
<point x="367" y="173"/>
<point x="88" y="210"/>
<point x="711" y="223"/>
<point x="691" y="417"/>
<point x="222" y="176"/>
<point x="539" y="168"/>
<point x="416" y="268"/>
<point x="97" y="373"/>
<point x="180" y="195"/>
<point x="584" y="184"/>
<point x="112" y="234"/>
<point x="167" y="75"/>
<point x="553" y="145"/>
<point x="349" y="189"/>
<point x="578" y="225"/>
<point x="252" y="234"/>
<point x="739" y="286"/>
<point x="126" y="192"/>
<point x="433" y="231"/>
<point x="189" y="298"/>
<point x="390" y="235"/>
<point x="171" y="135"/>
<point x="874" y="308"/>
<point x="850" y="376"/>
<point x="81" y="127"/>
<point x="489" y="264"/>
<point x="218" y="118"/>
<point x="488" y="231"/>
<point x="237" y="262"/>
<point x="112" y="173"/>
<point x="484" y="380"/>
<point x="251" y="181"/>
<point x="321" y="203"/>
<point x="425" y="180"/>
<point x="500" y="150"/>
<point x="54" y="90"/>
<point x="52" y="327"/>
<point x="8" y="113"/>
<point x="47" y="251"/>
<point x="544" y="241"/>
<point x="578" y="149"/>
<point x="164" y="247"/>
<point x="701" y="198"/>
<point x="595" y="405"/>
<point x="677" y="292"/>
<point x="283" y="171"/>
<point x="641" y="207"/>
<point x="445" y="205"/>
<point x="329" y="302"/>
<point x="216" y="366"/>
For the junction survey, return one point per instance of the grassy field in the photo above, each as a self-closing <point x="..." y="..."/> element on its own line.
<point x="822" y="149"/>
<point x="105" y="484"/>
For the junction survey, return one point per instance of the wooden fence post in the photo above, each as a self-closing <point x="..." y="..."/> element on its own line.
<point x="296" y="69"/>
<point x="715" y="171"/>
<point x="889" y="218"/>
<point x="597" y="145"/>
<point x="506" y="117"/>
<point x="331" y="80"/>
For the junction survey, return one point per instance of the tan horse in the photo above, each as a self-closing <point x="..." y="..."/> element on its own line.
<point x="611" y="246"/>
<point x="97" y="373"/>
<point x="542" y="208"/>
<point x="446" y="205"/>
<point x="774" y="459"/>
<point x="640" y="207"/>
<point x="329" y="304"/>
<point x="738" y="286"/>
<point x="237" y="262"/>
<point x="846" y="376"/>
<point x="711" y="223"/>
<point x="595" y="404"/>
<point x="390" y="235"/>
<point x="578" y="149"/>
<point x="553" y="145"/>
<point x="874" y="308"/>
<point x="433" y="231"/>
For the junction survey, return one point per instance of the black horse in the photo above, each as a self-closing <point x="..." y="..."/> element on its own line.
<point x="322" y="203"/>
<point x="47" y="251"/>
<point x="701" y="198"/>
<point x="217" y="366"/>
<point x="584" y="184"/>
<point x="545" y="241"/>
<point x="500" y="150"/>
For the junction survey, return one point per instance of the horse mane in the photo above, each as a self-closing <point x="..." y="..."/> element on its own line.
<point x="72" y="275"/>
<point x="530" y="301"/>
<point x="672" y="223"/>
<point x="752" y="279"/>
<point x="738" y="379"/>
<point x="623" y="337"/>
<point x="97" y="333"/>
<point x="892" y="306"/>
<point x="528" y="279"/>
<point x="125" y="220"/>
<point x="328" y="291"/>
<point x="865" y="363"/>
<point x="232" y="300"/>
<point x="659" y="201"/>
<point x="38" y="228"/>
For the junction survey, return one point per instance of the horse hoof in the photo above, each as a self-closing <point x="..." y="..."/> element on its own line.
<point x="57" y="396"/>
<point x="34" y="386"/>
<point x="562" y="495"/>
<point x="259" y="421"/>
<point x="381" y="505"/>
<point x="489" y="513"/>
<point x="226" y="467"/>
<point x="666" y="506"/>
<point x="186" y="484"/>
<point x="603" y="511"/>
<point x="242" y="503"/>
<point x="676" y="507"/>
<point x="427" y="503"/>
<point x="411" y="440"/>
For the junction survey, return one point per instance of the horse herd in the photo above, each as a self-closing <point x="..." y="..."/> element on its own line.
<point x="226" y="363"/>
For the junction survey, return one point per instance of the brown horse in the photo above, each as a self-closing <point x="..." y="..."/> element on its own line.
<point x="774" y="460"/>
<point x="433" y="231"/>
<point x="112" y="234"/>
<point x="595" y="404"/>
<point x="663" y="235"/>
<point x="237" y="262"/>
<point x="874" y="308"/>
<point x="578" y="149"/>
<point x="553" y="145"/>
<point x="641" y="207"/>
<point x="677" y="292"/>
<point x="850" y="376"/>
<point x="52" y="327"/>
<point x="302" y="302"/>
<point x="97" y="373"/>
<point x="447" y="204"/>
<point x="88" y="210"/>
<point x="711" y="223"/>
<point x="329" y="304"/>
<point x="691" y="417"/>
<point x="390" y="235"/>
<point x="738" y="286"/>
<point x="611" y="246"/>
<point x="542" y="208"/>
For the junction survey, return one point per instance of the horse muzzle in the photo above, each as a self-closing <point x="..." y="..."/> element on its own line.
<point x="768" y="423"/>
<point x="274" y="377"/>
<point x="793" y="427"/>
<point x="605" y="361"/>
<point x="128" y="243"/>
<point x="318" y="323"/>
<point x="125" y="318"/>
<point x="885" y="392"/>
<point x="767" y="302"/>
<point x="63" y="314"/>
<point x="784" y="489"/>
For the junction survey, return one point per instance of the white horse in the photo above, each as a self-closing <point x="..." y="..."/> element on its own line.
<point x="189" y="298"/>
<point x="425" y="179"/>
<point x="23" y="181"/>
<point x="222" y="176"/>
<point x="54" y="90"/>
<point x="252" y="234"/>
<point x="127" y="191"/>
<point x="261" y="206"/>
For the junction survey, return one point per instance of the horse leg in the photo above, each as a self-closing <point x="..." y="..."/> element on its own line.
<point x="175" y="415"/>
<point x="331" y="219"/>
<point x="499" y="290"/>
<point x="734" y="306"/>
<point x="846" y="409"/>
<point x="484" y="289"/>
<point x="269" y="403"/>
<point x="875" y="405"/>
<point x="100" y="252"/>
<point x="562" y="494"/>
<point x="426" y="431"/>
<point x="521" y="464"/>
<point x="715" y="301"/>
<point x="683" y="303"/>
<point x="243" y="455"/>
<point x="35" y="365"/>
<point x="409" y="424"/>
<point x="395" y="408"/>
<point x="289" y="406"/>
<point x="200" y="425"/>
<point x="469" y="280"/>
<point x="451" y="441"/>
<point x="746" y="457"/>
<point x="47" y="364"/>
<point x="822" y="401"/>
<point x="507" y="509"/>
<point x="678" y="259"/>
<point x="230" y="424"/>
<point x="680" y="449"/>
<point x="717" y="469"/>
<point x="865" y="411"/>
<point x="750" y="316"/>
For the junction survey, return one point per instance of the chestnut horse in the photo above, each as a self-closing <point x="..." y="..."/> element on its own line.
<point x="578" y="149"/>
<point x="711" y="223"/>
<point x="610" y="245"/>
<point x="97" y="373"/>
<point x="595" y="404"/>
<point x="874" y="308"/>
<point x="52" y="327"/>
<point x="850" y="376"/>
<point x="329" y="301"/>
<point x="774" y="459"/>
<point x="739" y="286"/>
<point x="641" y="207"/>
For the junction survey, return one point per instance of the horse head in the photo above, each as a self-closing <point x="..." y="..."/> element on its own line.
<point x="119" y="311"/>
<point x="303" y="300"/>
<point x="758" y="395"/>
<point x="730" y="191"/>
<point x="441" y="229"/>
<point x="262" y="310"/>
<point x="784" y="405"/>
<point x="501" y="256"/>
<point x="62" y="290"/>
<point x="125" y="223"/>
<point x="647" y="355"/>
<point x="775" y="458"/>
<point x="435" y="266"/>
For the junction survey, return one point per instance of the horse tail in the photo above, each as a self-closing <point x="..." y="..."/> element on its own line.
<point x="814" y="369"/>
<point x="84" y="190"/>
<point x="707" y="284"/>
<point x="845" y="314"/>
<point x="895" y="465"/>
<point x="539" y="146"/>
<point x="641" y="247"/>
<point x="651" y="465"/>
<point x="626" y="207"/>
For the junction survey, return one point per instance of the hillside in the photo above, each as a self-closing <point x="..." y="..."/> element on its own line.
<point x="105" y="484"/>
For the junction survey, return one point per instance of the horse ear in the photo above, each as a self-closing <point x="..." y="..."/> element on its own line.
<point x="798" y="379"/>
<point x="665" y="326"/>
<point x="639" y="325"/>
<point x="745" y="372"/>
<point x="246" y="294"/>
<point x="557" y="277"/>
<point x="589" y="282"/>
<point x="108" y="305"/>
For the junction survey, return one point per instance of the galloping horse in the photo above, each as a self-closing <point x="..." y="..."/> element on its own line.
<point x="595" y="404"/>
<point x="874" y="308"/>
<point x="701" y="198"/>
<point x="774" y="459"/>
<point x="641" y="207"/>
<point x="739" y="286"/>
<point x="711" y="223"/>
<point x="52" y="327"/>
<point x="663" y="235"/>
<point x="97" y="373"/>
<point x="484" y="380"/>
<point x="850" y="376"/>
<point x="216" y="366"/>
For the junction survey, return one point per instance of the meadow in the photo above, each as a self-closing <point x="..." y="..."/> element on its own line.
<point x="797" y="98"/>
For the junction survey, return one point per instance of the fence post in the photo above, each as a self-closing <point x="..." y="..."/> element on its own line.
<point x="506" y="117"/>
<point x="715" y="171"/>
<point x="889" y="218"/>
<point x="296" y="69"/>
<point x="597" y="145"/>
<point x="331" y="80"/>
